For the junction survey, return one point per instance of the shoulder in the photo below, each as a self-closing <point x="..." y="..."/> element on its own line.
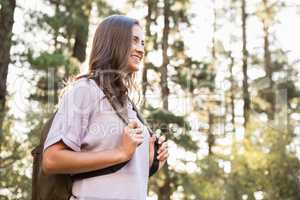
<point x="83" y="92"/>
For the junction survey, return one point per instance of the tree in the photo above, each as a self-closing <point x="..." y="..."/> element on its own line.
<point x="13" y="180"/>
<point x="266" y="144"/>
<point x="67" y="30"/>
<point x="6" y="23"/>
<point x="162" y="119"/>
<point x="151" y="44"/>
<point x="246" y="96"/>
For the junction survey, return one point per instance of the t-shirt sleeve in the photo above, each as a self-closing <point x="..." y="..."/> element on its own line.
<point x="71" y="119"/>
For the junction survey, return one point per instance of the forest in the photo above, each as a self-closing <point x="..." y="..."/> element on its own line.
<point x="220" y="79"/>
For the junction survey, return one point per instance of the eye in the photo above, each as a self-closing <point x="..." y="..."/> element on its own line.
<point x="135" y="40"/>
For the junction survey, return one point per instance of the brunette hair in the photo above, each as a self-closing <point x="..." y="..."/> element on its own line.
<point x="108" y="64"/>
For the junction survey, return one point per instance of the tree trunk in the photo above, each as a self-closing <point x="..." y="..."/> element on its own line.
<point x="145" y="69"/>
<point x="268" y="61"/>
<point x="232" y="98"/>
<point x="246" y="96"/>
<point x="6" y="24"/>
<point x="165" y="190"/>
<point x="267" y="55"/>
<point x="165" y="46"/>
<point x="213" y="49"/>
<point x="210" y="137"/>
<point x="232" y="92"/>
<point x="81" y="35"/>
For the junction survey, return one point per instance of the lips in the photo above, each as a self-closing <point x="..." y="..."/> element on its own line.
<point x="136" y="57"/>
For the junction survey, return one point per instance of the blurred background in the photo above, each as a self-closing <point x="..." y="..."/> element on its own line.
<point x="220" y="80"/>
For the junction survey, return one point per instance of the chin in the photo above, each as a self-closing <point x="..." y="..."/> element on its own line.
<point x="133" y="68"/>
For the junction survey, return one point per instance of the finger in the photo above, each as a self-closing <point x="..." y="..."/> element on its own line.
<point x="153" y="138"/>
<point x="164" y="151"/>
<point x="136" y="131"/>
<point x="138" y="136"/>
<point x="161" y="151"/>
<point x="163" y="146"/>
<point x="166" y="156"/>
<point x="139" y="130"/>
<point x="139" y="141"/>
<point x="163" y="156"/>
<point x="133" y="124"/>
<point x="127" y="130"/>
<point x="161" y="139"/>
<point x="162" y="163"/>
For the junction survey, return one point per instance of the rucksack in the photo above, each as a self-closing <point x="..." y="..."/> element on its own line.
<point x="59" y="186"/>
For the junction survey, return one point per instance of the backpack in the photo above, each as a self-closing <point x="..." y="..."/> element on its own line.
<point x="59" y="186"/>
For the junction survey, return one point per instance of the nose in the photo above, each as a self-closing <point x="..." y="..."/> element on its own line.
<point x="140" y="48"/>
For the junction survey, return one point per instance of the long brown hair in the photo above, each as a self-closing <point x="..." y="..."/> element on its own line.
<point x="108" y="64"/>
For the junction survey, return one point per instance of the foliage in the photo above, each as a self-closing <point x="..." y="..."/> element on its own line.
<point x="220" y="159"/>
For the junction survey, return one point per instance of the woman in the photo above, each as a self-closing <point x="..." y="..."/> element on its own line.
<point x="87" y="134"/>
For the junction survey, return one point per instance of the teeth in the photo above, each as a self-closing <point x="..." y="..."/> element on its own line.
<point x="137" y="57"/>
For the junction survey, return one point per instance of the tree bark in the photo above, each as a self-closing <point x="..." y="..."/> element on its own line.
<point x="268" y="60"/>
<point x="6" y="24"/>
<point x="213" y="49"/>
<point x="165" y="46"/>
<point x="145" y="68"/>
<point x="165" y="190"/>
<point x="232" y="105"/>
<point x="210" y="136"/>
<point x="232" y="94"/>
<point x="81" y="35"/>
<point x="246" y="96"/>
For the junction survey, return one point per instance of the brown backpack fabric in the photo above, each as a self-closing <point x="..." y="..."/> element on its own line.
<point x="59" y="186"/>
<point x="48" y="187"/>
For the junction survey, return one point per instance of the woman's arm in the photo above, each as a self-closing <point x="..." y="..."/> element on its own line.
<point x="59" y="158"/>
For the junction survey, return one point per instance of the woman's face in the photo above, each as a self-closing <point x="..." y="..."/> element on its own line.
<point x="137" y="48"/>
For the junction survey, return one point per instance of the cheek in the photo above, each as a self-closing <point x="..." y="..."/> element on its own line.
<point x="131" y="61"/>
<point x="133" y="47"/>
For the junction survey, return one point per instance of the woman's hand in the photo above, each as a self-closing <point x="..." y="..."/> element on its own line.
<point x="163" y="152"/>
<point x="151" y="149"/>
<point x="131" y="139"/>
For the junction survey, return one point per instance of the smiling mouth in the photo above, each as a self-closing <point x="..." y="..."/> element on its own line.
<point x="137" y="57"/>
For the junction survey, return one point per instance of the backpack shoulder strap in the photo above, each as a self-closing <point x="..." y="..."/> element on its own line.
<point x="115" y="168"/>
<point x="39" y="148"/>
<point x="111" y="169"/>
<point x="100" y="172"/>
<point x="155" y="164"/>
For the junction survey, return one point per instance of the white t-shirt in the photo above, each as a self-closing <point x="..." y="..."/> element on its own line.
<point x="85" y="121"/>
